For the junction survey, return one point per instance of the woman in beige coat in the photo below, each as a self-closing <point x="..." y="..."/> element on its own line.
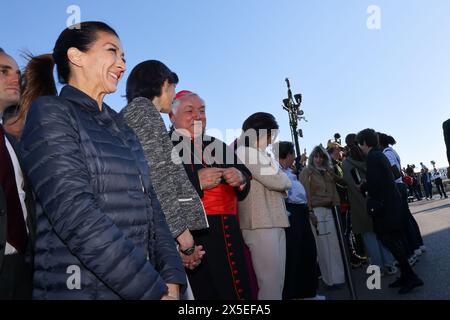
<point x="317" y="178"/>
<point x="262" y="213"/>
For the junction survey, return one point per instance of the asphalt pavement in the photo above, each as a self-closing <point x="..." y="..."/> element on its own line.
<point x="433" y="267"/>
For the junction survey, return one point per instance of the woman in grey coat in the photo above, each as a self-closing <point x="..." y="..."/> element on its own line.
<point x="150" y="90"/>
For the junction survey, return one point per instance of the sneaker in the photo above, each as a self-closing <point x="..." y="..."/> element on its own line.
<point x="423" y="248"/>
<point x="418" y="252"/>
<point x="408" y="286"/>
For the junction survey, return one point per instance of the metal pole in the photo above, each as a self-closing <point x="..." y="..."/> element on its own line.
<point x="295" y="134"/>
<point x="344" y="255"/>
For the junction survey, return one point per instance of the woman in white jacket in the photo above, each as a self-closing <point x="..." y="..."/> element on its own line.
<point x="262" y="213"/>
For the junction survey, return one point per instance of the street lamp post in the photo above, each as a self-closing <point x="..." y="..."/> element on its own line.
<point x="292" y="105"/>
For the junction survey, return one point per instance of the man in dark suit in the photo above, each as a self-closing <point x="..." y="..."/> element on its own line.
<point x="385" y="207"/>
<point x="16" y="206"/>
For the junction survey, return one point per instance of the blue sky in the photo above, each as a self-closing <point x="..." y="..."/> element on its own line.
<point x="236" y="54"/>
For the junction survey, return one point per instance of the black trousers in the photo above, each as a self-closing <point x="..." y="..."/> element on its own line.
<point x="440" y="188"/>
<point x="413" y="192"/>
<point x="15" y="278"/>
<point x="223" y="273"/>
<point x="418" y="189"/>
<point x="428" y="190"/>
<point x="393" y="241"/>
<point x="301" y="278"/>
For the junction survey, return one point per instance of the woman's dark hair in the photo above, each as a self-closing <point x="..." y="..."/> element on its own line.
<point x="147" y="78"/>
<point x="36" y="81"/>
<point x="352" y="147"/>
<point x="260" y="120"/>
<point x="285" y="148"/>
<point x="385" y="140"/>
<point x="350" y="139"/>
<point x="38" y="74"/>
<point x="368" y="136"/>
<point x="355" y="152"/>
<point x="256" y="122"/>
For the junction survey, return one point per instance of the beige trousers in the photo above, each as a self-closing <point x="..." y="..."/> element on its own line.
<point x="328" y="251"/>
<point x="268" y="251"/>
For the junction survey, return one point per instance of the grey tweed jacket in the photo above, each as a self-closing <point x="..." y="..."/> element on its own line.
<point x="180" y="202"/>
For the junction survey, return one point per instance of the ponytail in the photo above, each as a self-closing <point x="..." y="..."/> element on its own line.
<point x="386" y="140"/>
<point x="37" y="81"/>
<point x="391" y="140"/>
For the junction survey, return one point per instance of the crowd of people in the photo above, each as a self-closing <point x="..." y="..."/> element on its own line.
<point x="98" y="204"/>
<point x="415" y="181"/>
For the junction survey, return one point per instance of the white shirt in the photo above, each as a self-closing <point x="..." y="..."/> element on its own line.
<point x="394" y="160"/>
<point x="436" y="175"/>
<point x="9" y="249"/>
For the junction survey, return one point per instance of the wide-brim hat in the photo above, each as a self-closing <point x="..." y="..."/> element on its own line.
<point x="334" y="145"/>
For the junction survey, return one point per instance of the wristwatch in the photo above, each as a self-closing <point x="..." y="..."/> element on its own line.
<point x="188" y="251"/>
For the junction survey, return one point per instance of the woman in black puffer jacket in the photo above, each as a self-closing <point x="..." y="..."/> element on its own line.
<point x="100" y="230"/>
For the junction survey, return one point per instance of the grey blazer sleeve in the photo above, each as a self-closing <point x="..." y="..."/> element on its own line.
<point x="179" y="201"/>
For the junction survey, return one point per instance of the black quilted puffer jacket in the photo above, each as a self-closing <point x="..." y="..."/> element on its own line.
<point x="100" y="233"/>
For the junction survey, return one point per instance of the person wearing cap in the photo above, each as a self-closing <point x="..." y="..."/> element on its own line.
<point x="335" y="150"/>
<point x="150" y="91"/>
<point x="220" y="182"/>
